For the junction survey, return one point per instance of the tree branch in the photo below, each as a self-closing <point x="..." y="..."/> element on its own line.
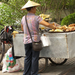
<point x="1" y="24"/>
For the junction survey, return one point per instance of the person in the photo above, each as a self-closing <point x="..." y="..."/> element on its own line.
<point x="31" y="59"/>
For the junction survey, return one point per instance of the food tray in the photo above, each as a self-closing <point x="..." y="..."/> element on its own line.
<point x="62" y="32"/>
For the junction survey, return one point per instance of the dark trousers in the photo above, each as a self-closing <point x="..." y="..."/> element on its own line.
<point x="31" y="60"/>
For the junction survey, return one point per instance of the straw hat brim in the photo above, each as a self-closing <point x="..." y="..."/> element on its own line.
<point x="30" y="4"/>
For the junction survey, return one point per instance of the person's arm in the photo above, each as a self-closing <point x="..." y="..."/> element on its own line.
<point x="52" y="26"/>
<point x="56" y="24"/>
<point x="22" y="27"/>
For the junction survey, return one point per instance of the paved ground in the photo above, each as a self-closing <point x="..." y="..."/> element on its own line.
<point x="67" y="69"/>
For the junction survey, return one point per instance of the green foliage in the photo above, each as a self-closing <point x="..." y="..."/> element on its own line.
<point x="68" y="19"/>
<point x="11" y="14"/>
<point x="6" y="15"/>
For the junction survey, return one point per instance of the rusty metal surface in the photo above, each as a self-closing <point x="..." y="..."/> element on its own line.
<point x="62" y="45"/>
<point x="18" y="45"/>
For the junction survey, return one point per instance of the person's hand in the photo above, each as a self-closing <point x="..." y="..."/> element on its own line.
<point x="52" y="26"/>
<point x="56" y="24"/>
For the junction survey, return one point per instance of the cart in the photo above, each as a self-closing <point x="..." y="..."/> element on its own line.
<point x="61" y="48"/>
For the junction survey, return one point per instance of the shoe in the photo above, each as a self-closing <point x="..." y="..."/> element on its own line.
<point x="0" y="67"/>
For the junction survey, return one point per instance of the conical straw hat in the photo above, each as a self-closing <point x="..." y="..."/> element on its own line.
<point x="30" y="4"/>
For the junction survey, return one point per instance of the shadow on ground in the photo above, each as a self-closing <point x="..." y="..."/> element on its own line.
<point x="66" y="69"/>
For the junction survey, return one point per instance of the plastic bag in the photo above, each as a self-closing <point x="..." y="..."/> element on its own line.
<point x="10" y="64"/>
<point x="45" y="40"/>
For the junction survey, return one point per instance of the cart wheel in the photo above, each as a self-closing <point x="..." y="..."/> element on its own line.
<point x="58" y="61"/>
<point x="43" y="62"/>
<point x="2" y="50"/>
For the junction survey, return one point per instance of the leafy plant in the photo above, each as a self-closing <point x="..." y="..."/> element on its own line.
<point x="68" y="19"/>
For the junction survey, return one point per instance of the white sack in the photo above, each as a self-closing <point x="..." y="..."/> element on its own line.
<point x="10" y="64"/>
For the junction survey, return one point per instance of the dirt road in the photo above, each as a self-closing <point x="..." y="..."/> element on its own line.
<point x="52" y="69"/>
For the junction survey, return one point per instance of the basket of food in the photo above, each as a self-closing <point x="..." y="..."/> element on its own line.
<point x="64" y="28"/>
